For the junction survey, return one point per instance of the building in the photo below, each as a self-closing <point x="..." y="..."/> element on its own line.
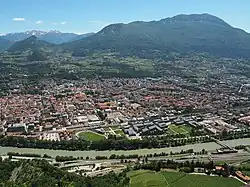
<point x="242" y="176"/>
<point x="92" y="118"/>
<point x="82" y="119"/>
<point x="17" y="128"/>
<point x="1" y="130"/>
<point x="130" y="131"/>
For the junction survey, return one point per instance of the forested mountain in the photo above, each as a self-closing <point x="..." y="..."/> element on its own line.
<point x="182" y="34"/>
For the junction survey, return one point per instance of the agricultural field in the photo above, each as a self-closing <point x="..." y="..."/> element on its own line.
<point x="180" y="129"/>
<point x="91" y="136"/>
<point x="110" y="64"/>
<point x="147" y="178"/>
<point x="177" y="179"/>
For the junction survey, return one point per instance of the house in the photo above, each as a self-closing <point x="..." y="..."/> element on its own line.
<point x="219" y="168"/>
<point x="199" y="170"/>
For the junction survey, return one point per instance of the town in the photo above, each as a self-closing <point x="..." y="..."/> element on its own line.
<point x="129" y="108"/>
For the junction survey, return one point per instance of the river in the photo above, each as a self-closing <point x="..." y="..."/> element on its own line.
<point x="196" y="147"/>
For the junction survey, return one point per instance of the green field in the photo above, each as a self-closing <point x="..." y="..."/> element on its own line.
<point x="177" y="179"/>
<point x="91" y="136"/>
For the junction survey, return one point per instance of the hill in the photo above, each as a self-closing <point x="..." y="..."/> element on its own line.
<point x="40" y="173"/>
<point x="31" y="43"/>
<point x="52" y="36"/>
<point x="182" y="34"/>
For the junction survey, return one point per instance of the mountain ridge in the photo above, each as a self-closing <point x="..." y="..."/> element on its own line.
<point x="193" y="33"/>
<point x="181" y="33"/>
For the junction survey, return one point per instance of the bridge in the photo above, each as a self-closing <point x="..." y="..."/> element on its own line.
<point x="224" y="145"/>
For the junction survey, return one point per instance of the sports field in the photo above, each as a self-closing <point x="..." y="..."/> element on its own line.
<point x="177" y="179"/>
<point x="180" y="129"/>
<point x="91" y="136"/>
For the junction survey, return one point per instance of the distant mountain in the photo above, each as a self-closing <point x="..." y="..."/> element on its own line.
<point x="4" y="44"/>
<point x="53" y="36"/>
<point x="31" y="43"/>
<point x="181" y="33"/>
<point x="81" y="36"/>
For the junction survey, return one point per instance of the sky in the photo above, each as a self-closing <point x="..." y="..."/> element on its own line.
<point x="83" y="16"/>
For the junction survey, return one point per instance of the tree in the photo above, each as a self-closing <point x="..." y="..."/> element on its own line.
<point x="203" y="151"/>
<point x="146" y="159"/>
<point x="157" y="166"/>
<point x="224" y="133"/>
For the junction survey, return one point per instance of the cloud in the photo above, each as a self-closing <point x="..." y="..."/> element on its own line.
<point x="18" y="19"/>
<point x="39" y="22"/>
<point x="63" y="22"/>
